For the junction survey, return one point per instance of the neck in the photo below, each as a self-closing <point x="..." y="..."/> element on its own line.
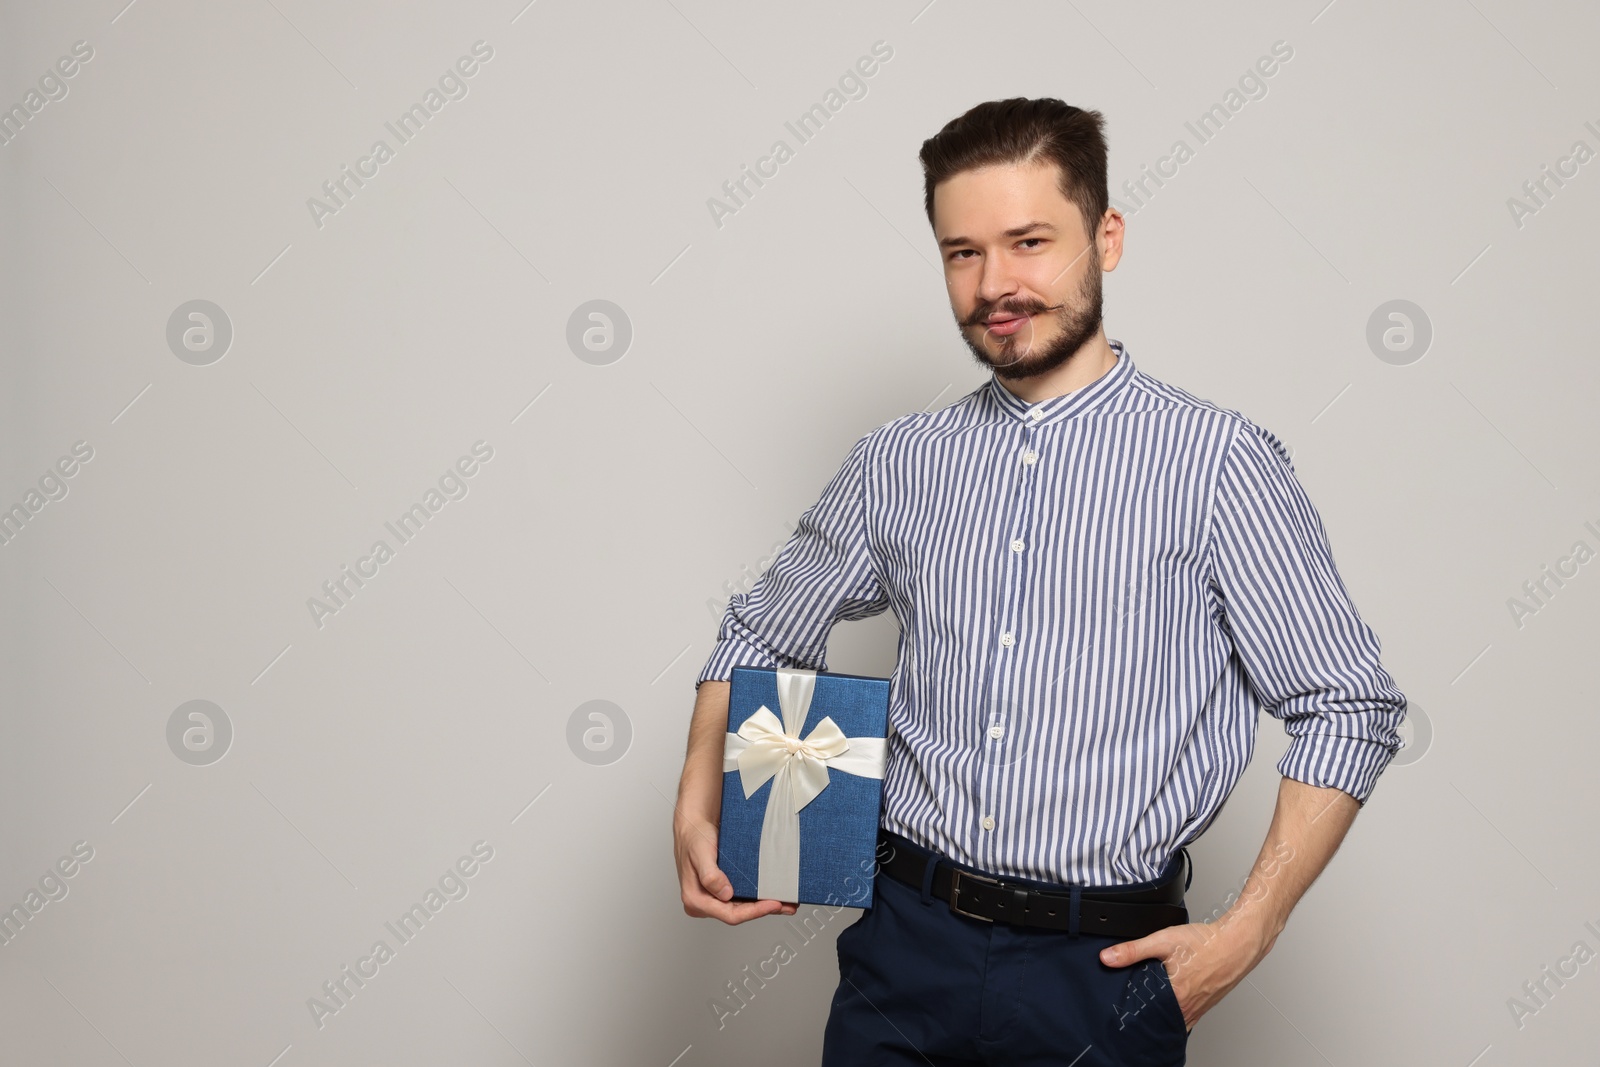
<point x="1085" y="366"/>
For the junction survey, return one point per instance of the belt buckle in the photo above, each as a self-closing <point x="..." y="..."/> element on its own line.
<point x="956" y="875"/>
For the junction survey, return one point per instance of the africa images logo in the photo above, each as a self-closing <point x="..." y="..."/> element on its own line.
<point x="453" y="485"/>
<point x="342" y="188"/>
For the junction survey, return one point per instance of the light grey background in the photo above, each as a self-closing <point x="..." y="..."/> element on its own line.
<point x="586" y="560"/>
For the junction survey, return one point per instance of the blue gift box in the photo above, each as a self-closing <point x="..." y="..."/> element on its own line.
<point x="838" y="825"/>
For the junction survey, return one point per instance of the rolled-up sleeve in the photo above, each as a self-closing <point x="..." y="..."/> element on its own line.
<point x="1306" y="651"/>
<point x="822" y="576"/>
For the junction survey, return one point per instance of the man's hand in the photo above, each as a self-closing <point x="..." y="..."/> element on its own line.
<point x="1206" y="960"/>
<point x="706" y="890"/>
<point x="1203" y="960"/>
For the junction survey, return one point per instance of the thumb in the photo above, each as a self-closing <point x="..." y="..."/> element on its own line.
<point x="1126" y="952"/>
<point x="705" y="868"/>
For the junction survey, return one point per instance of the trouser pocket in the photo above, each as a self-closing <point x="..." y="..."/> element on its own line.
<point x="1148" y="1017"/>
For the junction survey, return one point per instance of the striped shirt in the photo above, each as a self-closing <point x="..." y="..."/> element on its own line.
<point x="1097" y="594"/>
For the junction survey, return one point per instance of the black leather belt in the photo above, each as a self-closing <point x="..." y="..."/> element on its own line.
<point x="1114" y="911"/>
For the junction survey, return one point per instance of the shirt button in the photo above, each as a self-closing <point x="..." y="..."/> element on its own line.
<point x="988" y="822"/>
<point x="1007" y="640"/>
<point x="1035" y="414"/>
<point x="997" y="731"/>
<point x="1017" y="545"/>
<point x="1030" y="457"/>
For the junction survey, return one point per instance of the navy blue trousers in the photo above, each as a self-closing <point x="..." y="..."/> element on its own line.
<point x="919" y="984"/>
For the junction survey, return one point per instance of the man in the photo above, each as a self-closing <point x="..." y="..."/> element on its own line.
<point x="1101" y="580"/>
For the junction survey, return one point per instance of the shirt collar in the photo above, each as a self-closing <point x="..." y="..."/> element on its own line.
<point x="1070" y="405"/>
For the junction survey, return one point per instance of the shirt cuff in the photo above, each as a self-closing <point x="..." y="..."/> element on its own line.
<point x="731" y="652"/>
<point x="739" y="646"/>
<point x="1351" y="764"/>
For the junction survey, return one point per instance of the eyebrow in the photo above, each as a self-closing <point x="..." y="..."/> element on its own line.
<point x="1016" y="231"/>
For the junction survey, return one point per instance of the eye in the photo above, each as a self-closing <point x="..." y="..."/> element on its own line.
<point x="958" y="253"/>
<point x="1026" y="240"/>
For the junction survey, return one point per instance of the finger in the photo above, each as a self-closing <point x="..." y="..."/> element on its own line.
<point x="703" y="857"/>
<point x="734" y="912"/>
<point x="699" y="903"/>
<point x="1126" y="952"/>
<point x="783" y="908"/>
<point x="746" y="910"/>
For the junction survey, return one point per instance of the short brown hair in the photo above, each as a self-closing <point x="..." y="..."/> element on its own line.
<point x="1024" y="131"/>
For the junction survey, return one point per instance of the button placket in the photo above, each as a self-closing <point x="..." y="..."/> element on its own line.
<point x="1011" y="595"/>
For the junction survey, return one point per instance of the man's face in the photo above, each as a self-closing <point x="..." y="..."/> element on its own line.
<point x="1023" y="275"/>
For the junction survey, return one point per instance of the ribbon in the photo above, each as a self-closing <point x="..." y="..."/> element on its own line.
<point x="763" y="748"/>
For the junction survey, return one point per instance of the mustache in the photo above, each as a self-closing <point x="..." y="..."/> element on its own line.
<point x="1025" y="308"/>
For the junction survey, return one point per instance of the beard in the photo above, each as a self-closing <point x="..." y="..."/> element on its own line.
<point x="1076" y="322"/>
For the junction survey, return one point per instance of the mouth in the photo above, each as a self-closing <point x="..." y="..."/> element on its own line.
<point x="1005" y="325"/>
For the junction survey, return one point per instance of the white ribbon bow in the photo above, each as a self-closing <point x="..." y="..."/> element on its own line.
<point x="765" y="748"/>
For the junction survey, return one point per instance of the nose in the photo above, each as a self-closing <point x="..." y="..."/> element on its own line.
<point x="995" y="283"/>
